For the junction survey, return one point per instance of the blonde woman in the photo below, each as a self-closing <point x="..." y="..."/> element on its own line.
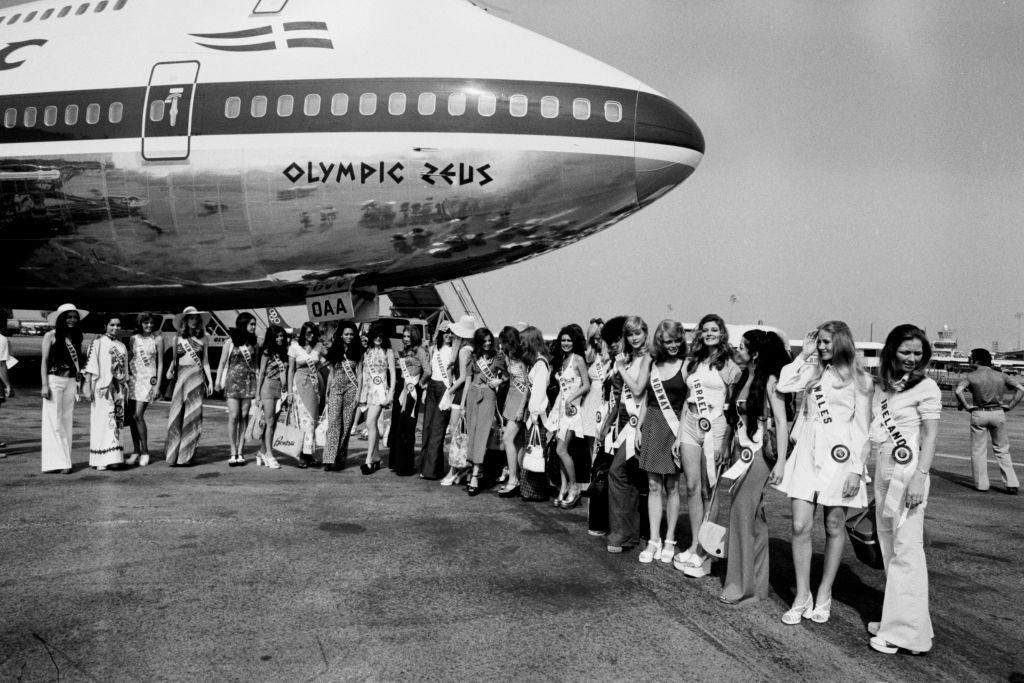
<point x="826" y="467"/>
<point x="190" y="368"/>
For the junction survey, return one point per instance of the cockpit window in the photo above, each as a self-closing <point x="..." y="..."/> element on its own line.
<point x="30" y="16"/>
<point x="82" y="9"/>
<point x="13" y="19"/>
<point x="613" y="111"/>
<point x="120" y="4"/>
<point x="46" y="15"/>
<point x="64" y="11"/>
<point x="549" y="106"/>
<point x="100" y="6"/>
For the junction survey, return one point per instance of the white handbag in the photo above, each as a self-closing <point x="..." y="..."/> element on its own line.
<point x="714" y="538"/>
<point x="533" y="455"/>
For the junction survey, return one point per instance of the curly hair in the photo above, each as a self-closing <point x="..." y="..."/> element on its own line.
<point x="699" y="351"/>
<point x="657" y="343"/>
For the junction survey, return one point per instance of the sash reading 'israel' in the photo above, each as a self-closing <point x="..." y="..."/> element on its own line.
<point x="404" y="366"/>
<point x="703" y="409"/>
<point x="903" y="453"/>
<point x="666" y="406"/>
<point x="311" y="366"/>
<point x="839" y="452"/>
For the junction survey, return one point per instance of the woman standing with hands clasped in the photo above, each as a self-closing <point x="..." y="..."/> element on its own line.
<point x="62" y="377"/>
<point x="565" y="421"/>
<point x="236" y="377"/>
<point x="760" y="419"/>
<point x="190" y="365"/>
<point x="343" y="389"/>
<point x="378" y="387"/>
<point x="662" y="381"/>
<point x="106" y="373"/>
<point x="710" y="375"/>
<point x="413" y="370"/>
<point x="906" y="409"/>
<point x="827" y="464"/>
<point x="146" y="367"/>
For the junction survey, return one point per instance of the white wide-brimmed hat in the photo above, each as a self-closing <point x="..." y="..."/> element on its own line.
<point x="190" y="310"/>
<point x="465" y="327"/>
<point x="64" y="308"/>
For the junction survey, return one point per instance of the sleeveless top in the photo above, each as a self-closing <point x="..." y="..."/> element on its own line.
<point x="675" y="389"/>
<point x="59" y="363"/>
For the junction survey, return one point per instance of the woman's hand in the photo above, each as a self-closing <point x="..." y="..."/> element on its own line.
<point x="719" y="457"/>
<point x="775" y="476"/>
<point x="915" y="490"/>
<point x="45" y="393"/>
<point x="677" y="449"/>
<point x="810" y="344"/>
<point x="170" y="372"/>
<point x="852" y="485"/>
<point x="639" y="439"/>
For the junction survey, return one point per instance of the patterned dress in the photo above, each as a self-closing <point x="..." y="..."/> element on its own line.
<point x="564" y="416"/>
<point x="375" y="377"/>
<point x="656" y="447"/>
<point x="185" y="419"/>
<point x="241" y="373"/>
<point x="307" y="386"/>
<point x="108" y="360"/>
<point x="144" y="385"/>
<point x="341" y="411"/>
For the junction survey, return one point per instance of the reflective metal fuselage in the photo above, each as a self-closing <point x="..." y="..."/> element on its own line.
<point x="193" y="185"/>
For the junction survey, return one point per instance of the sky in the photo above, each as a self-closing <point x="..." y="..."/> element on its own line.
<point x="864" y="162"/>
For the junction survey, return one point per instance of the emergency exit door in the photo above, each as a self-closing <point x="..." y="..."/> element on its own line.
<point x="167" y="116"/>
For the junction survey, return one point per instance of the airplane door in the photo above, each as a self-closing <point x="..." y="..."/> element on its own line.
<point x="167" y="116"/>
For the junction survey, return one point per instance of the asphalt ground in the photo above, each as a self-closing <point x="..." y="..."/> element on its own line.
<point x="218" y="573"/>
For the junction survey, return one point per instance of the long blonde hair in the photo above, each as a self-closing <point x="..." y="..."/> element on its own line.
<point x="845" y="360"/>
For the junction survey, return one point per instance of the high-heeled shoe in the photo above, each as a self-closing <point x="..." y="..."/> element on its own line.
<point x="371" y="468"/>
<point x="821" y="613"/>
<point x="799" y="611"/>
<point x="462" y="477"/>
<point x="303" y="461"/>
<point x="509" y="490"/>
<point x="267" y="460"/>
<point x="144" y="460"/>
<point x="231" y="460"/>
<point x="572" y="501"/>
<point x="504" y="475"/>
<point x="471" y="488"/>
<point x="133" y="459"/>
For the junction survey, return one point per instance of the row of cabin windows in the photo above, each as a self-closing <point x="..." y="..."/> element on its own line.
<point x="426" y="104"/>
<point x="93" y="112"/>
<point x="64" y="11"/>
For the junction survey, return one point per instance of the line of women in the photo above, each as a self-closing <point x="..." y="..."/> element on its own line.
<point x="653" y="413"/>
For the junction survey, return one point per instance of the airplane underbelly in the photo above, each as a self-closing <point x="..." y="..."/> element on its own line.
<point x="251" y="218"/>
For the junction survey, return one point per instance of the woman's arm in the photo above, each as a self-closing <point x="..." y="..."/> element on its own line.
<point x="44" y="364"/>
<point x="581" y="370"/>
<point x="91" y="371"/>
<point x="291" y="374"/>
<point x="172" y="369"/>
<point x="222" y="366"/>
<point x="638" y="385"/>
<point x="463" y="359"/>
<point x="159" y="359"/>
<point x="915" y="489"/>
<point x="206" y="365"/>
<point x="392" y="381"/>
<point x="860" y="447"/>
<point x="778" y="405"/>
<point x="539" y="375"/>
<point x="261" y="373"/>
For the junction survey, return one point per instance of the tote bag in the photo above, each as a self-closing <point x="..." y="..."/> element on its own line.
<point x="458" y="451"/>
<point x="256" y="426"/>
<point x="713" y="537"/>
<point x="287" y="436"/>
<point x="533" y="454"/>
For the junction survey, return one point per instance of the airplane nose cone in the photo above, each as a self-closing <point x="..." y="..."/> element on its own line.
<point x="669" y="146"/>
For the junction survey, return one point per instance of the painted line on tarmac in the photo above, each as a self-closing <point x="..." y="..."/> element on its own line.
<point x="966" y="457"/>
<point x="207" y="521"/>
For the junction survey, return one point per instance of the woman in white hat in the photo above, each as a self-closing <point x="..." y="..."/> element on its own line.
<point x="463" y="331"/>
<point x="190" y="364"/>
<point x="106" y="374"/>
<point x="61" y="370"/>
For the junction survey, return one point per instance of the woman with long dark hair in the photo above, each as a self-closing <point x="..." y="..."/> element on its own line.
<point x="343" y="387"/>
<point x="413" y="368"/>
<point x="487" y="372"/>
<point x="270" y="386"/>
<point x="906" y="409"/>
<point x="305" y="386"/>
<point x="513" y="412"/>
<point x="710" y="375"/>
<point x="536" y="357"/>
<point x="564" y="421"/>
<point x="759" y="416"/>
<point x="61" y="370"/>
<point x="106" y="373"/>
<point x="435" y="412"/>
<point x="145" y="368"/>
<point x="661" y="381"/>
<point x="378" y="388"/>
<point x="190" y="365"/>
<point x="236" y="377"/>
<point x="595" y="407"/>
<point x="827" y="465"/>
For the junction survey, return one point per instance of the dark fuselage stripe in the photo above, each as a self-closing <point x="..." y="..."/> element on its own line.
<point x="208" y="115"/>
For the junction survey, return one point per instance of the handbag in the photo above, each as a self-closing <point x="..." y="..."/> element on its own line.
<point x="257" y="425"/>
<point x="863" y="533"/>
<point x="446" y="401"/>
<point x="497" y="434"/>
<point x="320" y="433"/>
<point x="287" y="436"/>
<point x="533" y="454"/>
<point x="458" y="451"/>
<point x="713" y="537"/>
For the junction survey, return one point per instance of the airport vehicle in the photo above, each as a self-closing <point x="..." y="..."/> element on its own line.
<point x="227" y="154"/>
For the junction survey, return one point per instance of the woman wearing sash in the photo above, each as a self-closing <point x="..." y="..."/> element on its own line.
<point x="463" y="331"/>
<point x="710" y="375"/>
<point x="513" y="412"/>
<point x="827" y="464"/>
<point x="343" y="389"/>
<point x="146" y="367"/>
<point x="190" y="366"/>
<point x="599" y="364"/>
<point x="413" y="368"/>
<point x="106" y="374"/>
<point x="305" y="386"/>
<point x="564" y="420"/>
<point x="435" y="416"/>
<point x="661" y="379"/>
<point x="603" y="453"/>
<point x="536" y="356"/>
<point x="236" y="377"/>
<point x="906" y="409"/>
<point x="624" y="439"/>
<point x="487" y="372"/>
<point x="760" y="420"/>
<point x="270" y="385"/>
<point x="61" y="386"/>
<point x="377" y="391"/>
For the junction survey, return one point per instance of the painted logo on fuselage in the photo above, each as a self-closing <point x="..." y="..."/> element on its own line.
<point x="266" y="37"/>
<point x="5" y="65"/>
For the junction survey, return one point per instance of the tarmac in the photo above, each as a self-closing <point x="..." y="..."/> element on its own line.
<point x="249" y="574"/>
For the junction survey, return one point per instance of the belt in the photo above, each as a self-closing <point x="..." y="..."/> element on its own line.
<point x="995" y="407"/>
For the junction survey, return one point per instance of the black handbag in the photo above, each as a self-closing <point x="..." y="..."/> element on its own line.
<point x="863" y="533"/>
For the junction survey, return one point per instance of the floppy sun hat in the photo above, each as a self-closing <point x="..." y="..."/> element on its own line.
<point x="190" y="310"/>
<point x="64" y="308"/>
<point x="465" y="327"/>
